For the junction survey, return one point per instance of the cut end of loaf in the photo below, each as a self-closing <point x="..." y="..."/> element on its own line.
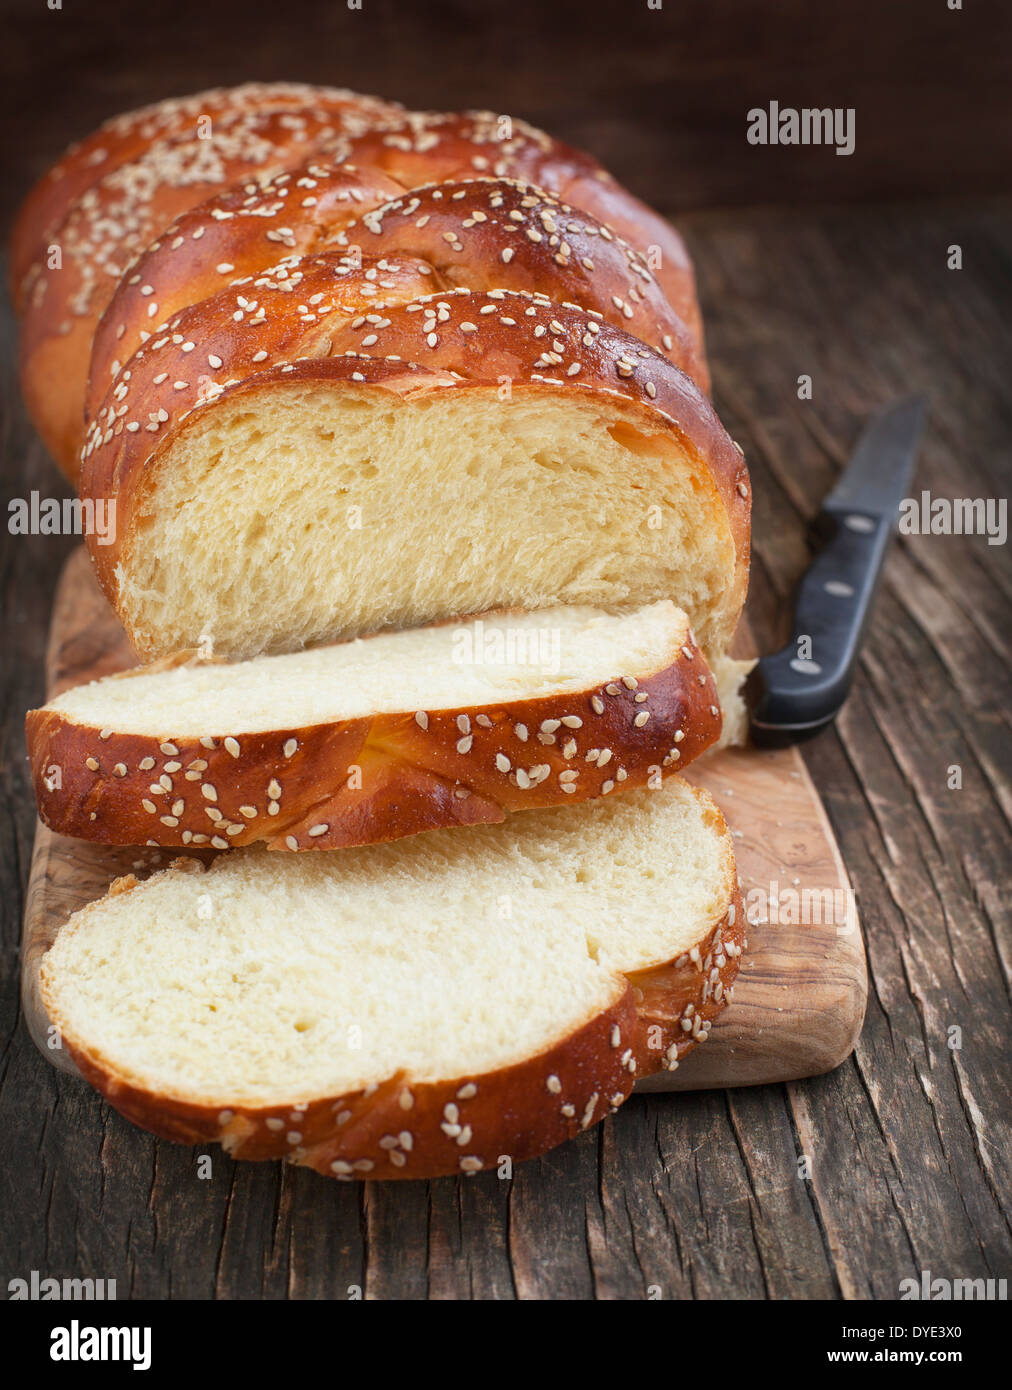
<point x="376" y="509"/>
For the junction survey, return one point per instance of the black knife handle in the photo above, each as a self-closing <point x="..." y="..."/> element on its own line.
<point x="793" y="694"/>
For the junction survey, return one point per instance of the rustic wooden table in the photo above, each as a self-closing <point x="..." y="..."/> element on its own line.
<point x="704" y="1195"/>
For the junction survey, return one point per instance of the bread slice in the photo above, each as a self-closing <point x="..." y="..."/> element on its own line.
<point x="378" y="738"/>
<point x="328" y="475"/>
<point x="413" y="1009"/>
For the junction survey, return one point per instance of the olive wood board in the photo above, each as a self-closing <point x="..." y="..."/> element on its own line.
<point x="800" y="997"/>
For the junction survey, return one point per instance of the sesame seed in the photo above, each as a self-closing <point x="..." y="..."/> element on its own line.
<point x="641" y="718"/>
<point x="290" y="746"/>
<point x="232" y="747"/>
<point x="421" y="719"/>
<point x="316" y="830"/>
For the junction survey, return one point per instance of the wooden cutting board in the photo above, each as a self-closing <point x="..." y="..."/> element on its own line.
<point x="799" y="1000"/>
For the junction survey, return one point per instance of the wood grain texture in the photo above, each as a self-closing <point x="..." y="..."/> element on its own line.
<point x="800" y="996"/>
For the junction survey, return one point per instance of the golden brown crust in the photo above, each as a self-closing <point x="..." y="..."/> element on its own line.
<point x="462" y="339"/>
<point x="484" y="233"/>
<point x="237" y="233"/>
<point x="127" y="137"/>
<point x="63" y="304"/>
<point x="432" y="147"/>
<point x="379" y="778"/>
<point x="409" y="1129"/>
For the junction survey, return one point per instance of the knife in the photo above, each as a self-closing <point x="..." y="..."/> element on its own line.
<point x="797" y="691"/>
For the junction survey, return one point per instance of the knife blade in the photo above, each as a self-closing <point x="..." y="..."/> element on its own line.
<point x="797" y="691"/>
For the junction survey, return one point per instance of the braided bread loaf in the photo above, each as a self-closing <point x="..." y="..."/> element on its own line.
<point x="344" y="368"/>
<point x="110" y="197"/>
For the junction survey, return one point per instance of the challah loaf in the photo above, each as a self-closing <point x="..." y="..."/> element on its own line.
<point x="403" y="732"/>
<point x="475" y="451"/>
<point x="409" y="1010"/>
<point x="111" y="196"/>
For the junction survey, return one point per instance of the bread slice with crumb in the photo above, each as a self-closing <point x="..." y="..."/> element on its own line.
<point x="370" y="740"/>
<point x="408" y="1010"/>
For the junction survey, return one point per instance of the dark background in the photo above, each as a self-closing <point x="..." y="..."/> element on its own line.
<point x="659" y="96"/>
<point x="808" y="263"/>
